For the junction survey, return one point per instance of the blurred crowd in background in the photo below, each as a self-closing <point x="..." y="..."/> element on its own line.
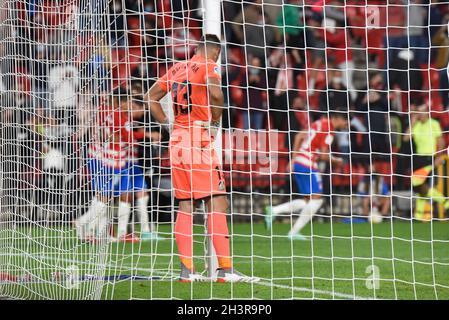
<point x="283" y="63"/>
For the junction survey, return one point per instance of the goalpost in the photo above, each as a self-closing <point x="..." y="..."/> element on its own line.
<point x="382" y="230"/>
<point x="49" y="93"/>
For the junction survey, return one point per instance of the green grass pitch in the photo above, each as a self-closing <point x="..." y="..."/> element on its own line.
<point x="412" y="260"/>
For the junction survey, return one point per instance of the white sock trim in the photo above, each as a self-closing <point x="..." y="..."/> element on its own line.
<point x="95" y="206"/>
<point x="289" y="207"/>
<point x="142" y="211"/>
<point x="306" y="215"/>
<point x="87" y="224"/>
<point x="124" y="210"/>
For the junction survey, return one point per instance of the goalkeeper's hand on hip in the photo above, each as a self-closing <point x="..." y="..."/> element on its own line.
<point x="211" y="126"/>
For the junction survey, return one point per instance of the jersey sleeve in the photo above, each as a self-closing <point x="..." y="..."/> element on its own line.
<point x="212" y="70"/>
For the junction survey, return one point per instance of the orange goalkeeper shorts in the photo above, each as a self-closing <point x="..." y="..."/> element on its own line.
<point x="196" y="171"/>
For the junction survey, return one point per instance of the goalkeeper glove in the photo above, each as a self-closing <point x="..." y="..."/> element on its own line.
<point x="212" y="126"/>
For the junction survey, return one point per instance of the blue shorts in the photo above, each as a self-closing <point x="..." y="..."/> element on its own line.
<point x="114" y="182"/>
<point x="308" y="180"/>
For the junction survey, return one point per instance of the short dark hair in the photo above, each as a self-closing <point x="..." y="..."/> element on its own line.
<point x="209" y="40"/>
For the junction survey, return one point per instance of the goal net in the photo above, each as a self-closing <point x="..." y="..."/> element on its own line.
<point x="332" y="145"/>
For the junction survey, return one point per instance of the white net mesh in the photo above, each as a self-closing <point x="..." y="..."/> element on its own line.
<point x="87" y="203"/>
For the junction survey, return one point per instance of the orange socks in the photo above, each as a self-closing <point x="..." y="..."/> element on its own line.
<point x="183" y="236"/>
<point x="218" y="228"/>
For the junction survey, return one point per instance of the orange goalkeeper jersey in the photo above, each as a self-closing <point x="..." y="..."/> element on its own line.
<point x="187" y="82"/>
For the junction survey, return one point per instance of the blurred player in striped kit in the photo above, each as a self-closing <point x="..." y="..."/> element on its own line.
<point x="309" y="148"/>
<point x="114" y="173"/>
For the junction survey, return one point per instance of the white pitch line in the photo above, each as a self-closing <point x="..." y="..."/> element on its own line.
<point x="313" y="291"/>
<point x="171" y="277"/>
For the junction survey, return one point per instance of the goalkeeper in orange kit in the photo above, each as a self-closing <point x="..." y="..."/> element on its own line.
<point x="195" y="87"/>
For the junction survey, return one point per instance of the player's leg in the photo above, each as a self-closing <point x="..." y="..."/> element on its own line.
<point x="184" y="241"/>
<point x="421" y="199"/>
<point x="383" y="200"/>
<point x="422" y="167"/>
<point x="363" y="194"/>
<point x="288" y="207"/>
<point x="437" y="196"/>
<point x="385" y="205"/>
<point x="422" y="181"/>
<point x="102" y="184"/>
<point x="372" y="201"/>
<point x="86" y="225"/>
<point x="427" y="194"/>
<point x="208" y="183"/>
<point x="366" y="206"/>
<point x="140" y="188"/>
<point x="183" y="233"/>
<point x="181" y="173"/>
<point x="217" y="207"/>
<point x="147" y="230"/>
<point x="124" y="213"/>
<point x="142" y="199"/>
<point x="124" y="190"/>
<point x="306" y="215"/>
<point x="310" y="184"/>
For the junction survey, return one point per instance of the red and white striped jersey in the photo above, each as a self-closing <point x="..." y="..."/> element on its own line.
<point x="113" y="139"/>
<point x="319" y="139"/>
